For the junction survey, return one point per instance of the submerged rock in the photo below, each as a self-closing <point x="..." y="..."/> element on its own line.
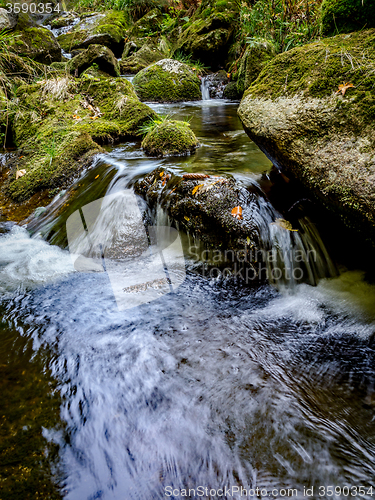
<point x="312" y="110"/>
<point x="107" y="29"/>
<point x="34" y="41"/>
<point x="102" y="56"/>
<point x="170" y="137"/>
<point x="203" y="207"/>
<point x="61" y="123"/>
<point x="167" y="80"/>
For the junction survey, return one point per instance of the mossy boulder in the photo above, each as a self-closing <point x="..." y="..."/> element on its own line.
<point x="231" y="92"/>
<point x="312" y="110"/>
<point x="140" y="59"/>
<point x="99" y="55"/>
<point x="107" y="29"/>
<point x="60" y="124"/>
<point x="149" y="24"/>
<point x="203" y="207"/>
<point x="209" y="34"/>
<point x="170" y="137"/>
<point x="167" y="81"/>
<point x="33" y="41"/>
<point x="252" y="62"/>
<point x="344" y="16"/>
<point x="66" y="19"/>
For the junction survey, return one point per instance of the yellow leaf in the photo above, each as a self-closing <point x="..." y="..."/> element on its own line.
<point x="248" y="240"/>
<point x="196" y="189"/>
<point x="186" y="218"/>
<point x="284" y="224"/>
<point x="96" y="176"/>
<point x="161" y="175"/>
<point x="344" y="87"/>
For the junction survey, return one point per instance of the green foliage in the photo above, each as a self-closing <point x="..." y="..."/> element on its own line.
<point x="342" y="16"/>
<point x="152" y="123"/>
<point x="286" y="23"/>
<point x="196" y="66"/>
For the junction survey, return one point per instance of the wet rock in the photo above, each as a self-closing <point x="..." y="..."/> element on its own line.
<point x="107" y="29"/>
<point x="34" y="41"/>
<point x="216" y="83"/>
<point x="66" y="19"/>
<point x="317" y="129"/>
<point x="203" y="207"/>
<point x="99" y="55"/>
<point x="170" y="137"/>
<point x="167" y="80"/>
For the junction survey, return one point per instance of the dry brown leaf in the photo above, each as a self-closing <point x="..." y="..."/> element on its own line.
<point x="237" y="213"/>
<point x="344" y="87"/>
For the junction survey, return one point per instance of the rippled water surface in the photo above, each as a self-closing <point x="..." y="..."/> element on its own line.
<point x="216" y="385"/>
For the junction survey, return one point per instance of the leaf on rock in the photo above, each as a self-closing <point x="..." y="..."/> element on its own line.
<point x="237" y="213"/>
<point x="196" y="189"/>
<point x="284" y="224"/>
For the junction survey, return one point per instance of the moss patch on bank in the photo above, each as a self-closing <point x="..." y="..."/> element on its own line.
<point x="59" y="124"/>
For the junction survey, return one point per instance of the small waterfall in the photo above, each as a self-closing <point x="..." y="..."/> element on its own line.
<point x="205" y="90"/>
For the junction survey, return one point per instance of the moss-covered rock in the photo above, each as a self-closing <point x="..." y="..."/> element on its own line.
<point x="324" y="136"/>
<point x="231" y="92"/>
<point x="209" y="34"/>
<point x="148" y="25"/>
<point x="107" y="29"/>
<point x="170" y="137"/>
<point x="8" y="20"/>
<point x="140" y="59"/>
<point x="66" y="19"/>
<point x="203" y="208"/>
<point x="102" y="56"/>
<point x="252" y="62"/>
<point x="167" y="81"/>
<point x="36" y="42"/>
<point x="344" y="16"/>
<point x="59" y="122"/>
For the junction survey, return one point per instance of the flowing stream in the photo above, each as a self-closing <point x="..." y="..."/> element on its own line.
<point x="217" y="385"/>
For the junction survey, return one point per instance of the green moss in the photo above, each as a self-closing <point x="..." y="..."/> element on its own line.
<point x="343" y="16"/>
<point x="157" y="84"/>
<point x="317" y="69"/>
<point x="56" y="129"/>
<point x="170" y="137"/>
<point x="256" y="56"/>
<point x="145" y="56"/>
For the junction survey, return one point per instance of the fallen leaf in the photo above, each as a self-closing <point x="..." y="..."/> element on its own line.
<point x="237" y="213"/>
<point x="284" y="224"/>
<point x="20" y="173"/>
<point x="196" y="189"/>
<point x="248" y="240"/>
<point x="344" y="87"/>
<point x="186" y="218"/>
<point x="161" y="175"/>
<point x="96" y="176"/>
<point x="228" y="75"/>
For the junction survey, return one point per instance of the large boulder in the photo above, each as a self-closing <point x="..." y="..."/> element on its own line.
<point x="102" y="56"/>
<point x="140" y="59"/>
<point x="107" y="29"/>
<point x="170" y="137"/>
<point x="62" y="123"/>
<point x="344" y="16"/>
<point x="209" y="34"/>
<point x="34" y="41"/>
<point x="167" y="81"/>
<point x="312" y="110"/>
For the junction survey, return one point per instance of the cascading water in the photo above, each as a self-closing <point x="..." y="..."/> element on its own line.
<point x="216" y="384"/>
<point x="205" y="90"/>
